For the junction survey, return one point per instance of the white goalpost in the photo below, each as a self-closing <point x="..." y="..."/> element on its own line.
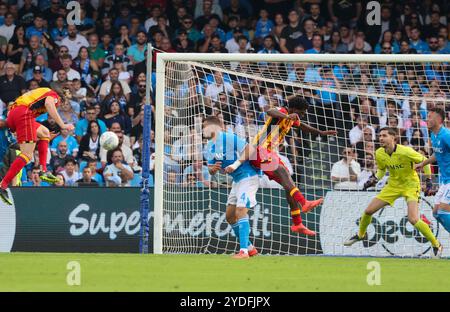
<point x="353" y="94"/>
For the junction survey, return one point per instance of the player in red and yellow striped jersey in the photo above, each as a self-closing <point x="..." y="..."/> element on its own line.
<point x="21" y="119"/>
<point x="262" y="154"/>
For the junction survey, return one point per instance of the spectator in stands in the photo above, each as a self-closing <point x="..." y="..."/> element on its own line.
<point x="86" y="180"/>
<point x="345" y="11"/>
<point x="197" y="175"/>
<point x="126" y="152"/>
<point x="70" y="174"/>
<point x="124" y="36"/>
<point x="345" y="172"/>
<point x="17" y="44"/>
<point x="278" y="27"/>
<point x="119" y="54"/>
<point x="182" y="43"/>
<point x="72" y="144"/>
<point x="116" y="128"/>
<point x="123" y="17"/>
<point x="387" y="44"/>
<point x="291" y="33"/>
<point x="90" y="143"/>
<point x="60" y="156"/>
<point x="116" y="94"/>
<point x="88" y="69"/>
<point x="118" y="173"/>
<point x="188" y="25"/>
<point x="218" y="86"/>
<point x="232" y="45"/>
<point x="61" y="80"/>
<point x="7" y="29"/>
<point x="37" y="76"/>
<point x="416" y="43"/>
<point x="82" y="125"/>
<point x="106" y="86"/>
<point x="74" y="41"/>
<point x="317" y="42"/>
<point x="264" y="26"/>
<point x="335" y="44"/>
<point x="268" y="46"/>
<point x="67" y="112"/>
<point x="207" y="10"/>
<point x="59" y="32"/>
<point x="137" y="51"/>
<point x="137" y="130"/>
<point x="356" y="134"/>
<point x="30" y="52"/>
<point x="115" y="113"/>
<point x="66" y="66"/>
<point x="368" y="171"/>
<point x="96" y="54"/>
<point x="46" y="72"/>
<point x="391" y="111"/>
<point x="11" y="85"/>
<point x="416" y="123"/>
<point x="35" y="179"/>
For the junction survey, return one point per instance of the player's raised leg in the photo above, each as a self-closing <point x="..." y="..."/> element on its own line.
<point x="366" y="218"/>
<point x="26" y="152"/>
<point x="281" y="175"/>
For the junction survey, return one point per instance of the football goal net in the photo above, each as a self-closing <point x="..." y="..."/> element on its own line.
<point x="356" y="95"/>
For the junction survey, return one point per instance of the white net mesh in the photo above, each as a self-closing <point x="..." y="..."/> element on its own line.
<point x="356" y="99"/>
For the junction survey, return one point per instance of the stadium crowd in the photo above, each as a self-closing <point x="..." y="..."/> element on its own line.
<point x="103" y="63"/>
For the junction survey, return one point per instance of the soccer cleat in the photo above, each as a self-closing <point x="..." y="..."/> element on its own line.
<point x="48" y="177"/>
<point x="437" y="252"/>
<point x="253" y="252"/>
<point x="310" y="205"/>
<point x="302" y="229"/>
<point x="5" y="197"/>
<point x="241" y="255"/>
<point x="354" y="239"/>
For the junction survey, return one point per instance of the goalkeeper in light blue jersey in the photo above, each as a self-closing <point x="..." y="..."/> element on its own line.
<point x="222" y="150"/>
<point x="440" y="140"/>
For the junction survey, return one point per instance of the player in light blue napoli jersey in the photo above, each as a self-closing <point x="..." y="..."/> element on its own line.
<point x="222" y="150"/>
<point x="440" y="140"/>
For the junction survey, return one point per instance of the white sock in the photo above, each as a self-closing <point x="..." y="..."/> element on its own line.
<point x="245" y="250"/>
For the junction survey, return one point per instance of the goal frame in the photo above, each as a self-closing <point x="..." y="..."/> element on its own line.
<point x="163" y="58"/>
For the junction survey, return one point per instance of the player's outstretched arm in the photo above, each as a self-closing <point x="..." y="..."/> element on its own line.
<point x="51" y="109"/>
<point x="308" y="128"/>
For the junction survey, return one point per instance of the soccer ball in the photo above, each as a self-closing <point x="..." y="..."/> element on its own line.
<point x="109" y="140"/>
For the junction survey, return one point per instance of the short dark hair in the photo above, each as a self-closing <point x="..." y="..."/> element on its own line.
<point x="438" y="111"/>
<point x="390" y="131"/>
<point x="213" y="120"/>
<point x="299" y="103"/>
<point x="70" y="160"/>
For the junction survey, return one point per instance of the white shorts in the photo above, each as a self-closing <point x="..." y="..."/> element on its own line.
<point x="443" y="195"/>
<point x="243" y="193"/>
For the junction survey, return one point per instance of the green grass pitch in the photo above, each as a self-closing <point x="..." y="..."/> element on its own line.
<point x="134" y="272"/>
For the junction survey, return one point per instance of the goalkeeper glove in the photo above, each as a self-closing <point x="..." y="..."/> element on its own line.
<point x="373" y="180"/>
<point x="429" y="188"/>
